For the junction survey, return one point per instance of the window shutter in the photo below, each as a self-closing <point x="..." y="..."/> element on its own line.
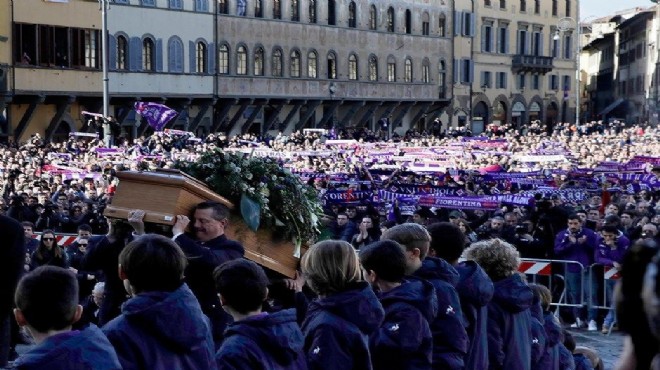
<point x="472" y="24"/>
<point x="504" y="80"/>
<point x="506" y="40"/>
<point x="159" y="55"/>
<point x="135" y="54"/>
<point x="471" y="75"/>
<point x="192" y="54"/>
<point x="458" y="23"/>
<point x="541" y="51"/>
<point x="112" y="53"/>
<point x="211" y="58"/>
<point x="457" y="71"/>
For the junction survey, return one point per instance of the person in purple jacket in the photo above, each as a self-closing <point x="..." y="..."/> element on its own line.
<point x="47" y="304"/>
<point x="404" y="339"/>
<point x="578" y="244"/>
<point x="450" y="340"/>
<point x="256" y="340"/>
<point x="509" y="317"/>
<point x="612" y="246"/>
<point x="338" y="324"/>
<point x="162" y="326"/>
<point x="474" y="288"/>
<point x="553" y="330"/>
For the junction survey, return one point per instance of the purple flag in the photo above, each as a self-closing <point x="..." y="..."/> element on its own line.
<point x="157" y="115"/>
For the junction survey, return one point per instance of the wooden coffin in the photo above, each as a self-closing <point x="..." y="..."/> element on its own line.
<point x="164" y="194"/>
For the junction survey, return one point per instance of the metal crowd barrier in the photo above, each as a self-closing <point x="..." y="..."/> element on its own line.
<point x="63" y="239"/>
<point x="540" y="271"/>
<point x="610" y="276"/>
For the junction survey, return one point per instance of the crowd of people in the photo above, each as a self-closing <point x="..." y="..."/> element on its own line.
<point x="407" y="277"/>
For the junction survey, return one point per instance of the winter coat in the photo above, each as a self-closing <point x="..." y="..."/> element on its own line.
<point x="404" y="340"/>
<point x="510" y="325"/>
<point x="337" y="329"/>
<point x="85" y="350"/>
<point x="539" y="338"/>
<point x="162" y="331"/>
<point x="475" y="290"/>
<point x="450" y="340"/>
<point x="263" y="342"/>
<point x="580" y="252"/>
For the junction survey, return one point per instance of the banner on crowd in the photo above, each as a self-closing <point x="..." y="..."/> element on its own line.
<point x="470" y="202"/>
<point x="157" y="115"/>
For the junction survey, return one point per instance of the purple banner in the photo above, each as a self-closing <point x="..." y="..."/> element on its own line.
<point x="459" y="202"/>
<point x="157" y="115"/>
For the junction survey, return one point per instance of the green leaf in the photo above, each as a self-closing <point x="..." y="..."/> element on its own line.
<point x="251" y="212"/>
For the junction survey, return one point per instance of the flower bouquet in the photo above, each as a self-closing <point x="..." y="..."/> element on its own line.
<point x="269" y="195"/>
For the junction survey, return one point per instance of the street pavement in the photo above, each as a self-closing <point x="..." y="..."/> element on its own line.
<point x="609" y="347"/>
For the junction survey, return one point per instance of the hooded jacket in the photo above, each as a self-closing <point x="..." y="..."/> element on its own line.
<point x="555" y="339"/>
<point x="264" y="342"/>
<point x="605" y="255"/>
<point x="162" y="330"/>
<point x="337" y="329"/>
<point x="566" y="360"/>
<point x="510" y="325"/>
<point x="450" y="340"/>
<point x="475" y="290"/>
<point x="88" y="350"/>
<point x="539" y="337"/>
<point x="582" y="362"/>
<point x="404" y="340"/>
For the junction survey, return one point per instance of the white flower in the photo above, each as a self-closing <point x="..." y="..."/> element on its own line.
<point x="248" y="176"/>
<point x="243" y="187"/>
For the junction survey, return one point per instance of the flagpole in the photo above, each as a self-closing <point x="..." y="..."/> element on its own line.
<point x="107" y="136"/>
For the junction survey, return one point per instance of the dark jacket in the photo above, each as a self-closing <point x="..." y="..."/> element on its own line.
<point x="566" y="360"/>
<point x="265" y="342"/>
<point x="404" y="340"/>
<point x="162" y="331"/>
<point x="605" y="255"/>
<point x="475" y="290"/>
<point x="103" y="254"/>
<point x="86" y="350"/>
<point x="555" y="339"/>
<point x="203" y="258"/>
<point x="48" y="257"/>
<point x="539" y="337"/>
<point x="12" y="262"/>
<point x="450" y="341"/>
<point x="510" y="325"/>
<point x="582" y="362"/>
<point x="345" y="232"/>
<point x="337" y="329"/>
<point x="75" y="258"/>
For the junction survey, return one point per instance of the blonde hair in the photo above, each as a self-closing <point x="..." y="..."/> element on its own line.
<point x="330" y="266"/>
<point x="498" y="258"/>
<point x="411" y="236"/>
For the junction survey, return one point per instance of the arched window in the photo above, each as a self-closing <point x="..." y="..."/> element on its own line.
<point x="312" y="64"/>
<point x="373" y="17"/>
<point x="332" y="66"/>
<point x="390" y="19"/>
<point x="442" y="79"/>
<point x="277" y="9"/>
<point x="241" y="60"/>
<point x="408" y="75"/>
<point x="201" y="59"/>
<point x="258" y="8"/>
<point x="175" y="55"/>
<point x="122" y="53"/>
<point x="523" y="5"/>
<point x="294" y="68"/>
<point x="352" y="67"/>
<point x="408" y="21"/>
<point x="442" y="25"/>
<point x="295" y="10"/>
<point x="277" y="63"/>
<point x="259" y="61"/>
<point x="312" y="11"/>
<point x="391" y="69"/>
<point x="373" y="68"/>
<point x="332" y="17"/>
<point x="426" y="71"/>
<point x="223" y="59"/>
<point x="148" y="57"/>
<point x="425" y="24"/>
<point x="352" y="15"/>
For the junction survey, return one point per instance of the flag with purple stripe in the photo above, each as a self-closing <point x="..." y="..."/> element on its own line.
<point x="157" y="115"/>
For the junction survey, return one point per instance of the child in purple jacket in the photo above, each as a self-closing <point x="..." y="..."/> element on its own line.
<point x="404" y="340"/>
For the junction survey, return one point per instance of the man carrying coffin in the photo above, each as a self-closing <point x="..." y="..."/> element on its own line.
<point x="206" y="248"/>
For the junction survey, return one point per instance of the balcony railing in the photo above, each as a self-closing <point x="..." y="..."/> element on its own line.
<point x="531" y="63"/>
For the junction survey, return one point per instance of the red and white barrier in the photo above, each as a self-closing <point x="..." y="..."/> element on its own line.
<point x="535" y="268"/>
<point x="62" y="240"/>
<point x="611" y="273"/>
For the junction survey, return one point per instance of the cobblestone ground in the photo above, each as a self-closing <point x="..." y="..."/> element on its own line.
<point x="608" y="346"/>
